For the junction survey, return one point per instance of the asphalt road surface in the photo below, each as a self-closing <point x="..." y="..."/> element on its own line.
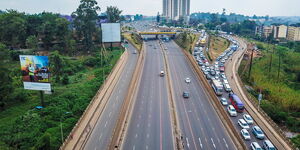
<point x="200" y="125"/>
<point x="101" y="134"/>
<point x="150" y="125"/>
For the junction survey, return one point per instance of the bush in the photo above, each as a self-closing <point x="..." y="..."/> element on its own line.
<point x="91" y="62"/>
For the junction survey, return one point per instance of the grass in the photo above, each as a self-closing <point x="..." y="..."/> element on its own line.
<point x="187" y="41"/>
<point x="134" y="39"/>
<point x="23" y="127"/>
<point x="217" y="46"/>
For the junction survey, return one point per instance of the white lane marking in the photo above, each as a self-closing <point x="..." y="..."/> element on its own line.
<point x="100" y="137"/>
<point x="213" y="143"/>
<point x="138" y="125"/>
<point x="187" y="142"/>
<point x="225" y="143"/>
<point x="109" y="114"/>
<point x="105" y="123"/>
<point x="148" y="135"/>
<point x="200" y="142"/>
<point x="136" y="135"/>
<point x="133" y="148"/>
<point x="146" y="146"/>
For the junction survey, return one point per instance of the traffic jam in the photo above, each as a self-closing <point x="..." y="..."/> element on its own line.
<point x="215" y="73"/>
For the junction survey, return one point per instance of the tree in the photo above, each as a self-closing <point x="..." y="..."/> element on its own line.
<point x="62" y="32"/>
<point x="32" y="42"/>
<point x="85" y="21"/>
<point x="113" y="14"/>
<point x="57" y="65"/>
<point x="5" y="80"/>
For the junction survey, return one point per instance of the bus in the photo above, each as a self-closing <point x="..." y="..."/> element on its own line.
<point x="217" y="86"/>
<point x="236" y="102"/>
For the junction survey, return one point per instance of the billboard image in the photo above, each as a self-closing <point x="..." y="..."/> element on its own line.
<point x="111" y="32"/>
<point x="35" y="72"/>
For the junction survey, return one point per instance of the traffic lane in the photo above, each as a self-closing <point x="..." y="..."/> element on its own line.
<point x="102" y="131"/>
<point x="207" y="103"/>
<point x="153" y="123"/>
<point x="212" y="139"/>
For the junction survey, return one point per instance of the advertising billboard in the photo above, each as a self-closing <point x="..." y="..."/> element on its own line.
<point x="35" y="72"/>
<point x="111" y="32"/>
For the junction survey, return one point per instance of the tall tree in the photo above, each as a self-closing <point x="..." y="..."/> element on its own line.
<point x="113" y="14"/>
<point x="85" y="21"/>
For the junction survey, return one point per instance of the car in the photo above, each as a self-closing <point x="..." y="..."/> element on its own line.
<point x="208" y="77"/>
<point x="186" y="94"/>
<point x="222" y="68"/>
<point x="255" y="146"/>
<point x="224" y="101"/>
<point x="223" y="76"/>
<point x="258" y="132"/>
<point x="225" y="81"/>
<point x="212" y="72"/>
<point x="267" y="145"/>
<point x="200" y="63"/>
<point x="134" y="52"/>
<point x="206" y="64"/>
<point x="187" y="80"/>
<point x="162" y="73"/>
<point x="227" y="87"/>
<point x="248" y="118"/>
<point x="243" y="124"/>
<point x="203" y="69"/>
<point x="205" y="72"/>
<point x="245" y="134"/>
<point x="231" y="110"/>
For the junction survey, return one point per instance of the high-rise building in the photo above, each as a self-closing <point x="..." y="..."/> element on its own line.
<point x="280" y="32"/>
<point x="174" y="9"/>
<point x="293" y="33"/>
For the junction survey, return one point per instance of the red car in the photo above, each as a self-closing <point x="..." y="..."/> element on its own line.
<point x="222" y="69"/>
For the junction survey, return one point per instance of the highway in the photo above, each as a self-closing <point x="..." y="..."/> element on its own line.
<point x="101" y="134"/>
<point x="200" y="125"/>
<point x="150" y="124"/>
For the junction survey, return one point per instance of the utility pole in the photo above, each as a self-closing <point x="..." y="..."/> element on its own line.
<point x="270" y="65"/>
<point x="250" y="68"/>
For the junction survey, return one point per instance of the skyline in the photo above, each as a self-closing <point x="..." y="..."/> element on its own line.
<point x="66" y="7"/>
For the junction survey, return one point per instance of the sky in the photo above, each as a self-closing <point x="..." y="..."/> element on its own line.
<point x="152" y="7"/>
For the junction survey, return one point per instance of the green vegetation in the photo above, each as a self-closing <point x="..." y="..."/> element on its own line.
<point x="135" y="39"/>
<point x="217" y="45"/>
<point x="277" y="74"/>
<point x="76" y="80"/>
<point x="186" y="40"/>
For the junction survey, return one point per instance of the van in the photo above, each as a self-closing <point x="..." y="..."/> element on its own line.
<point x="268" y="145"/>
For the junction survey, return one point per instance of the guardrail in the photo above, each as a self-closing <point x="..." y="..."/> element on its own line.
<point x="261" y="112"/>
<point x="126" y="109"/>
<point x="235" y="136"/>
<point x="84" y="122"/>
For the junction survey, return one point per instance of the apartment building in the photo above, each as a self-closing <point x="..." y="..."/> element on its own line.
<point x="293" y="33"/>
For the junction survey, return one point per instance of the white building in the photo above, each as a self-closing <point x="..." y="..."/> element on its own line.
<point x="174" y="9"/>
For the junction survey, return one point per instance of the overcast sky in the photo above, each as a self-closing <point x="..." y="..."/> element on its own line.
<point x="151" y="7"/>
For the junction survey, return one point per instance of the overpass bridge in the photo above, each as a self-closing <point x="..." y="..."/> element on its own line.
<point x="157" y="34"/>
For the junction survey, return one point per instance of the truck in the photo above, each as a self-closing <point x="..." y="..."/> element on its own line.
<point x="217" y="86"/>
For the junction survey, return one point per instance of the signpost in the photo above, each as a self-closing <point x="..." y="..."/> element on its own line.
<point x="111" y="32"/>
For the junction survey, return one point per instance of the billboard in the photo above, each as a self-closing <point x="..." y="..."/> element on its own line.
<point x="111" y="32"/>
<point x="35" y="72"/>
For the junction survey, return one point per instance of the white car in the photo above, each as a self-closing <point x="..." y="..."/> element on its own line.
<point x="224" y="101"/>
<point x="255" y="146"/>
<point x="225" y="81"/>
<point x="243" y="124"/>
<point x="187" y="80"/>
<point x="248" y="118"/>
<point x="245" y="134"/>
<point x="231" y="110"/>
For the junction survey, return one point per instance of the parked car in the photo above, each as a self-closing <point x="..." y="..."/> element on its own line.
<point x="245" y="134"/>
<point x="248" y="118"/>
<point x="258" y="132"/>
<point x="162" y="73"/>
<point x="224" y="101"/>
<point x="255" y="146"/>
<point x="267" y="145"/>
<point x="231" y="110"/>
<point x="243" y="124"/>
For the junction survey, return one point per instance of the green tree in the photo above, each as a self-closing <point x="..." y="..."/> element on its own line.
<point x="13" y="28"/>
<point x="44" y="142"/>
<point x="5" y="80"/>
<point x="32" y="42"/>
<point x="57" y="65"/>
<point x="85" y="22"/>
<point x="62" y="32"/>
<point x="113" y="14"/>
